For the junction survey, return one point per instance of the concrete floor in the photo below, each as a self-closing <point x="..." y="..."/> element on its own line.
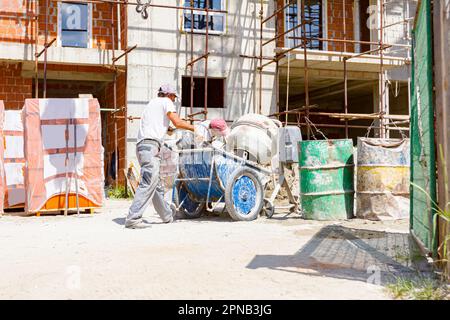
<point x="93" y="256"/>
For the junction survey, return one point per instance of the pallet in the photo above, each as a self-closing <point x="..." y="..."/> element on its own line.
<point x="49" y="212"/>
<point x="58" y="203"/>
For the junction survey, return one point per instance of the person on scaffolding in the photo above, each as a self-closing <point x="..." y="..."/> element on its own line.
<point x="154" y="124"/>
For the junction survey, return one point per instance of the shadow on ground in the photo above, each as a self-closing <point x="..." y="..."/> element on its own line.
<point x="353" y="254"/>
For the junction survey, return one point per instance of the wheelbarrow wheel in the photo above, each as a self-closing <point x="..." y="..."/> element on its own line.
<point x="269" y="208"/>
<point x="244" y="196"/>
<point x="189" y="208"/>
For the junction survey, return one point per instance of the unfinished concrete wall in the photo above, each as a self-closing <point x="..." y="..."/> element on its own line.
<point x="399" y="33"/>
<point x="164" y="50"/>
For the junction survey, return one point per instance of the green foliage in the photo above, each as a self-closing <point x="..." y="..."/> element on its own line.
<point x="118" y="192"/>
<point x="424" y="288"/>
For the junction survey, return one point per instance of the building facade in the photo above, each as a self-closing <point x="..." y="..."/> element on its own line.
<point x="87" y="43"/>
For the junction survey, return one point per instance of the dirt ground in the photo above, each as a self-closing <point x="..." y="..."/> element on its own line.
<point x="94" y="256"/>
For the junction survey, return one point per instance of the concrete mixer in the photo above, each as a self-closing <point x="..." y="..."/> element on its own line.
<point x="254" y="137"/>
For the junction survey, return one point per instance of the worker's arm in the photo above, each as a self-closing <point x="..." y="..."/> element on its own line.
<point x="178" y="123"/>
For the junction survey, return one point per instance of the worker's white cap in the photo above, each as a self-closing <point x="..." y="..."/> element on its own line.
<point x="167" y="89"/>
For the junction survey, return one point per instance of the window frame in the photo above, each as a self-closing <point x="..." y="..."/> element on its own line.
<point x="199" y="77"/>
<point x="89" y="27"/>
<point x="324" y="20"/>
<point x="223" y="5"/>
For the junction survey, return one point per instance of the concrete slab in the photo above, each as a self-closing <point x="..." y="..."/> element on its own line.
<point x="93" y="256"/>
<point x="328" y="60"/>
<point x="18" y="52"/>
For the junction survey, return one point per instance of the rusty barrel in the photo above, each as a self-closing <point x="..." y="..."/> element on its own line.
<point x="326" y="179"/>
<point x="382" y="178"/>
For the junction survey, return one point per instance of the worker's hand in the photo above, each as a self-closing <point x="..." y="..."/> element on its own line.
<point x="170" y="131"/>
<point x="199" y="134"/>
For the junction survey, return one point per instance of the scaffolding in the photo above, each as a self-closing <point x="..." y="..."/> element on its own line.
<point x="306" y="41"/>
<point x="386" y="121"/>
<point x="141" y="7"/>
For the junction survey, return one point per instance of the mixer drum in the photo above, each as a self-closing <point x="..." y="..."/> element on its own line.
<point x="252" y="136"/>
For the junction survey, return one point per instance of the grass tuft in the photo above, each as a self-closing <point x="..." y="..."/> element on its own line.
<point x="118" y="192"/>
<point x="424" y="288"/>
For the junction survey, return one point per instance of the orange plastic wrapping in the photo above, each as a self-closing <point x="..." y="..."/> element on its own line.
<point x="14" y="159"/>
<point x="62" y="146"/>
<point x="2" y="176"/>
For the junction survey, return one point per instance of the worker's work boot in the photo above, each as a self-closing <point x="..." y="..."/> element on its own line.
<point x="174" y="210"/>
<point x="137" y="224"/>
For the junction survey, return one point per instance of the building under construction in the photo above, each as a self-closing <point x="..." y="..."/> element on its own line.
<point x="340" y="66"/>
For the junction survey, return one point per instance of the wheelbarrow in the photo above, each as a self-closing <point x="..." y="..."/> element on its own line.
<point x="209" y="176"/>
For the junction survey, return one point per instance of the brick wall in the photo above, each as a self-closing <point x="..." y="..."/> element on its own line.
<point x="102" y="15"/>
<point x="335" y="24"/>
<point x="335" y="16"/>
<point x="17" y="23"/>
<point x="13" y="88"/>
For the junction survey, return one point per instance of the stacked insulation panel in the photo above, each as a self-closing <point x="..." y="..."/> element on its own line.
<point x="2" y="176"/>
<point x="63" y="152"/>
<point x="14" y="159"/>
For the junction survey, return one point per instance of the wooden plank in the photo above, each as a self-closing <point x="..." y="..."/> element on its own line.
<point x="441" y="28"/>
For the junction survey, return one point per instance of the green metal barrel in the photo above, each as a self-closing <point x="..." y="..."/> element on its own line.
<point x="326" y="179"/>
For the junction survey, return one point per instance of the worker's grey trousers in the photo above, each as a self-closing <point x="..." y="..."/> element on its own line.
<point x="150" y="187"/>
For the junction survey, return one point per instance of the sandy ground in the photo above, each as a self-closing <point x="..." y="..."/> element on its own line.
<point x="93" y="256"/>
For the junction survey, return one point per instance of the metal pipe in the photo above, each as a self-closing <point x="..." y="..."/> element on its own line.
<point x="191" y="63"/>
<point x="192" y="84"/>
<point x="292" y="111"/>
<point x="345" y="27"/>
<point x="45" y="50"/>
<point x="75" y="167"/>
<point x="254" y="57"/>
<point x="119" y="29"/>
<point x="261" y="15"/>
<point x="195" y="114"/>
<point x="125" y="109"/>
<point x="261" y="67"/>
<point x="36" y="43"/>
<point x="305" y="59"/>
<point x="328" y="125"/>
<point x="367" y="52"/>
<point x="354" y="116"/>
<point x="282" y="34"/>
<point x="398" y="22"/>
<point x="346" y="96"/>
<point x="206" y="60"/>
<point x="46" y="46"/>
<point x="279" y="10"/>
<point x="352" y="41"/>
<point x="382" y="133"/>
<point x="359" y="115"/>
<point x="116" y="151"/>
<point x="150" y="5"/>
<point x="66" y="162"/>
<point x="128" y="50"/>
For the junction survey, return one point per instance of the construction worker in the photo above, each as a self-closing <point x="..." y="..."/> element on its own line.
<point x="208" y="130"/>
<point x="153" y="126"/>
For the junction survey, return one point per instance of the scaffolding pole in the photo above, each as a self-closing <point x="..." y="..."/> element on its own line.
<point x="383" y="113"/>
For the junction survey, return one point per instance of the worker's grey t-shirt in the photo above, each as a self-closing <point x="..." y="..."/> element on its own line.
<point x="154" y="120"/>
